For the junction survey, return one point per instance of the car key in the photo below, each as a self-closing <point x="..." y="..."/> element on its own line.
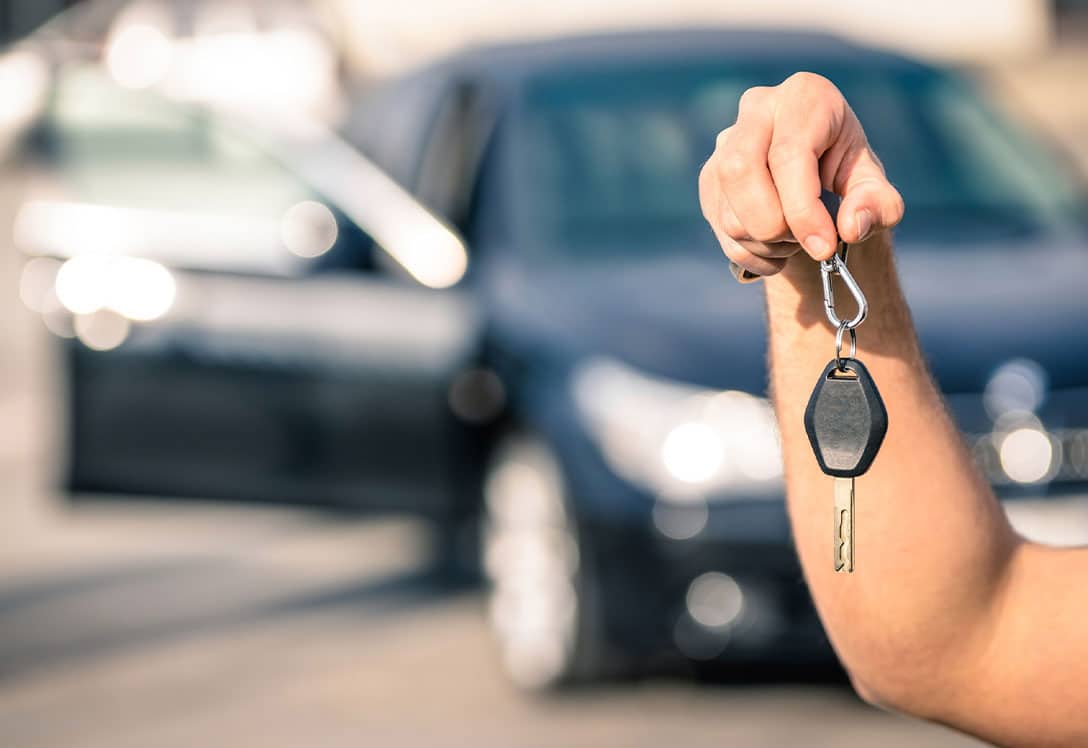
<point x="845" y="419"/>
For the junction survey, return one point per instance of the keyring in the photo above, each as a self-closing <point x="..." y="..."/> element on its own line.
<point x="844" y="326"/>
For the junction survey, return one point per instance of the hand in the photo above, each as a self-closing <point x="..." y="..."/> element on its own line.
<point x="760" y="190"/>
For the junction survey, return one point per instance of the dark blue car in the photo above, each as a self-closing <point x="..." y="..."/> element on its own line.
<point x="587" y="402"/>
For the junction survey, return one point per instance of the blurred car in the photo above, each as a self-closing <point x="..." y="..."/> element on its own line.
<point x="582" y="380"/>
<point x="223" y="352"/>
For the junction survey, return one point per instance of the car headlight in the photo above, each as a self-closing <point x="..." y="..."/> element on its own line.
<point x="682" y="442"/>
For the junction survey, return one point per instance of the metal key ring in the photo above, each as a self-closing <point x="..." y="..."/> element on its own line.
<point x="844" y="326"/>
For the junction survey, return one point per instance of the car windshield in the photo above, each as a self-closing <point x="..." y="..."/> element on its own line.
<point x="609" y="159"/>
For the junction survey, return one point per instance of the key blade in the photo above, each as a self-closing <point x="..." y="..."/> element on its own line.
<point x="844" y="525"/>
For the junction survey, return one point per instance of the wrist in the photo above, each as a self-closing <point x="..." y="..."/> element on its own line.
<point x="795" y="295"/>
<point x="797" y="320"/>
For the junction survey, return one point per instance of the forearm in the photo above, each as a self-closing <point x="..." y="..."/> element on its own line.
<point x="948" y="614"/>
<point x="933" y="547"/>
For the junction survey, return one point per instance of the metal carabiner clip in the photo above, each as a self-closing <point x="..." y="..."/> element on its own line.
<point x="836" y="265"/>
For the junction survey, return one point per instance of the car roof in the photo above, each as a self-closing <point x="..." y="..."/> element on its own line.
<point x="512" y="62"/>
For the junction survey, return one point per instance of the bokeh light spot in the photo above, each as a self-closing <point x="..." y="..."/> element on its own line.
<point x="1026" y="455"/>
<point x="102" y="330"/>
<point x="138" y="55"/>
<point x="308" y="229"/>
<point x="692" y="452"/>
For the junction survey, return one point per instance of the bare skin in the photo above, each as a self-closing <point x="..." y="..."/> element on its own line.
<point x="949" y="616"/>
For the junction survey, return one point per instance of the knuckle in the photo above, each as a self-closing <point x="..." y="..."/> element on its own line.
<point x="803" y="213"/>
<point x="898" y="207"/>
<point x="767" y="228"/>
<point x="784" y="152"/>
<point x="706" y="179"/>
<point x="816" y="94"/>
<point x="721" y="141"/>
<point x="768" y="233"/>
<point x="809" y="81"/>
<point x="735" y="166"/>
<point x="753" y="97"/>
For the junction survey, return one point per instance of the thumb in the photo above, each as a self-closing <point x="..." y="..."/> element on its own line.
<point x="870" y="203"/>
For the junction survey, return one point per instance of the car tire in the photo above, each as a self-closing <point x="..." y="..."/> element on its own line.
<point x="545" y="608"/>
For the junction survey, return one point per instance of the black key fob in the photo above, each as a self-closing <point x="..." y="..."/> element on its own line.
<point x="845" y="419"/>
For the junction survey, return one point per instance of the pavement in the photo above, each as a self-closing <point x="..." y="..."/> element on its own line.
<point x="158" y="624"/>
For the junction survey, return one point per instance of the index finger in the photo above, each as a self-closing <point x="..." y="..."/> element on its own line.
<point x="794" y="160"/>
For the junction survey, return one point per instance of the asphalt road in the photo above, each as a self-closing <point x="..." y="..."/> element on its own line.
<point x="161" y="625"/>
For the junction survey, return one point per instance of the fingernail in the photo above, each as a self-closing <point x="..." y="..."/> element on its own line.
<point x="817" y="246"/>
<point x="864" y="220"/>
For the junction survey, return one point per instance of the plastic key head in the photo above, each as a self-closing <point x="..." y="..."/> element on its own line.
<point x="845" y="419"/>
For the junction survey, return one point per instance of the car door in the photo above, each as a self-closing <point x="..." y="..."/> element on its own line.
<point x="301" y="357"/>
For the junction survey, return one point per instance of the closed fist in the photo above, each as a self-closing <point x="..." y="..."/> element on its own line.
<point x="760" y="190"/>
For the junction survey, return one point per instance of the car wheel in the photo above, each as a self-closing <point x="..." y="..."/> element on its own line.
<point x="543" y="603"/>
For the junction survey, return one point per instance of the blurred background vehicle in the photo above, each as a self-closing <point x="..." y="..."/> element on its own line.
<point x="324" y="255"/>
<point x="207" y="268"/>
<point x="593" y="385"/>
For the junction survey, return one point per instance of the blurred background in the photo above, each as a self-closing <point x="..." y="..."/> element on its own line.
<point x="369" y="375"/>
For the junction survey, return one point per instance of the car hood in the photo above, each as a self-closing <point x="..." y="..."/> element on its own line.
<point x="682" y="316"/>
